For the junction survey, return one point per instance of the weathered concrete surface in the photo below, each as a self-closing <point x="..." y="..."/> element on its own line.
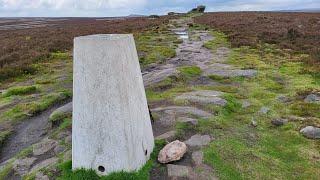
<point x="111" y="124"/>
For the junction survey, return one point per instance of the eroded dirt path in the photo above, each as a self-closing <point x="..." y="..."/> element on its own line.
<point x="27" y="133"/>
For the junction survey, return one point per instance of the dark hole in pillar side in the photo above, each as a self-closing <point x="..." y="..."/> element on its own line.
<point x="101" y="169"/>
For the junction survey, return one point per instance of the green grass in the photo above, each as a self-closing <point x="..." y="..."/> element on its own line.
<point x="81" y="174"/>
<point x="220" y="40"/>
<point x="241" y="151"/>
<point x="156" y="46"/>
<point x="3" y="136"/>
<point x="19" y="90"/>
<point x="190" y="71"/>
<point x="21" y="111"/>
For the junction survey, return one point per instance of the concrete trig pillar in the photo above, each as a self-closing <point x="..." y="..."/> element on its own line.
<point x="111" y="128"/>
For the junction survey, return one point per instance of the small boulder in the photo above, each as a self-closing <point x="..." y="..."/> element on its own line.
<point x="44" y="146"/>
<point x="198" y="140"/>
<point x="311" y="132"/>
<point x="279" y="122"/>
<point x="172" y="152"/>
<point x="312" y="98"/>
<point x="22" y="166"/>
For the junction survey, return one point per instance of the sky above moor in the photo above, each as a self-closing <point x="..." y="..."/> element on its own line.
<point x="105" y="8"/>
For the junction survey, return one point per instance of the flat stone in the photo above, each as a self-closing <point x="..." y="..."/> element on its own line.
<point x="231" y="73"/>
<point x="59" y="149"/>
<point x="178" y="171"/>
<point x="312" y="98"/>
<point x="44" y="164"/>
<point x="61" y="112"/>
<point x="158" y="75"/>
<point x="183" y="110"/>
<point x="198" y="140"/>
<point x="264" y="110"/>
<point x="188" y="120"/>
<point x="279" y="122"/>
<point x="203" y="97"/>
<point x="41" y="176"/>
<point x="44" y="146"/>
<point x="296" y="118"/>
<point x="68" y="139"/>
<point x="311" y="132"/>
<point x="172" y="152"/>
<point x="67" y="155"/>
<point x="197" y="158"/>
<point x="167" y="136"/>
<point x="22" y="166"/>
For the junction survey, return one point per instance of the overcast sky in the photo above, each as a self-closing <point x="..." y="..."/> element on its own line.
<point x="86" y="8"/>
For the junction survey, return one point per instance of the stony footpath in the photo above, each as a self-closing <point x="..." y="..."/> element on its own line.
<point x="184" y="157"/>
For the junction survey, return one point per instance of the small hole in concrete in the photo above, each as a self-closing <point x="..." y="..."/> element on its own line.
<point x="146" y="152"/>
<point x="101" y="168"/>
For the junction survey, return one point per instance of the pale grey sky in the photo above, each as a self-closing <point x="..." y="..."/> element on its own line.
<point x="85" y="8"/>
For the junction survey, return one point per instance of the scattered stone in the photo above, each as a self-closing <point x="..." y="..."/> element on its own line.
<point x="203" y="97"/>
<point x="311" y="132"/>
<point x="283" y="98"/>
<point x="254" y="123"/>
<point x="22" y="166"/>
<point x="44" y="146"/>
<point x="67" y="156"/>
<point x="68" y="139"/>
<point x="59" y="149"/>
<point x="167" y="136"/>
<point x="159" y="75"/>
<point x="61" y="112"/>
<point x="63" y="134"/>
<point x="198" y="140"/>
<point x="188" y="120"/>
<point x="44" y="164"/>
<point x="279" y="122"/>
<point x="246" y="104"/>
<point x="172" y="152"/>
<point x="197" y="158"/>
<point x="312" y="98"/>
<point x="41" y="176"/>
<point x="264" y="110"/>
<point x="175" y="171"/>
<point x="296" y="118"/>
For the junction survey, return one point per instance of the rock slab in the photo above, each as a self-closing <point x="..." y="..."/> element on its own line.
<point x="311" y="132"/>
<point x="198" y="140"/>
